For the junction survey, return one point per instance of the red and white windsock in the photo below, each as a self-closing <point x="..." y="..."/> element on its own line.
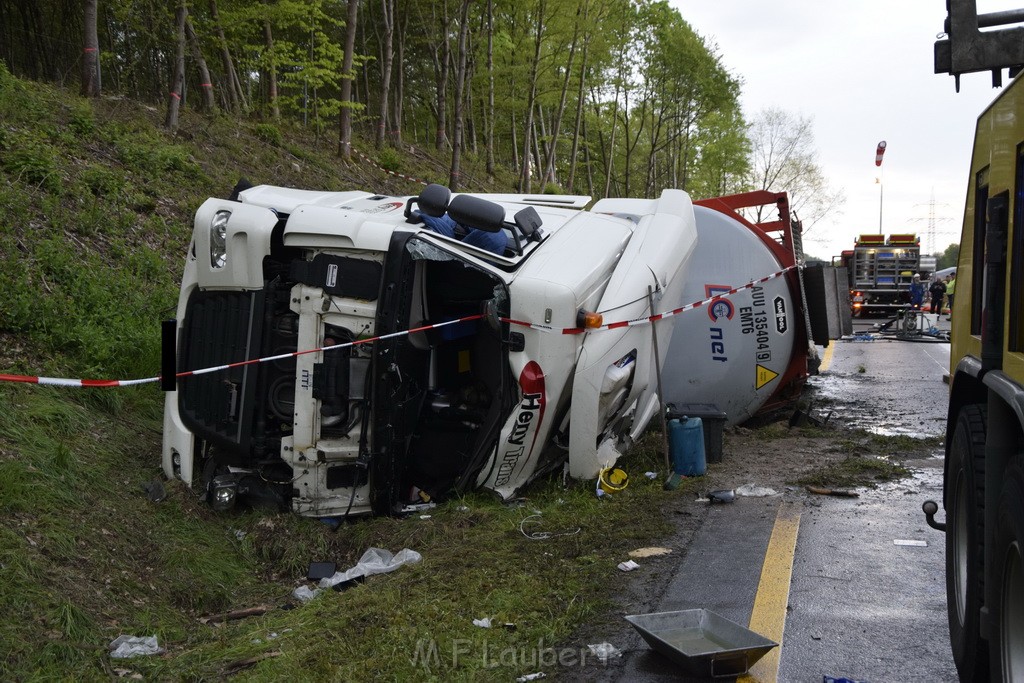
<point x="879" y="152"/>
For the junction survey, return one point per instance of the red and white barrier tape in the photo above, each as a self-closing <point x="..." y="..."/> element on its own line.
<point x="652" y="318"/>
<point x="397" y="175"/>
<point x="57" y="381"/>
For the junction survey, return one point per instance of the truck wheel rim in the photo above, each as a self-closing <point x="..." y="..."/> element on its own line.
<point x="1012" y="631"/>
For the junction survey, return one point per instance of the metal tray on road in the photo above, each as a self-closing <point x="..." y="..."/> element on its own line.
<point x="701" y="642"/>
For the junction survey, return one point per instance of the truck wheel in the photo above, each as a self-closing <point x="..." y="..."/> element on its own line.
<point x="965" y="533"/>
<point x="1007" y="643"/>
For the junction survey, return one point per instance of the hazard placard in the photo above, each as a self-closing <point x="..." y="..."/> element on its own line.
<point x="764" y="376"/>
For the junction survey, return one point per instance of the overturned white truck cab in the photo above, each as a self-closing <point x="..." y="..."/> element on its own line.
<point x="336" y="357"/>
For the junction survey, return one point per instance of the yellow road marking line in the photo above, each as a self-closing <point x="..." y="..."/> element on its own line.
<point x="769" y="615"/>
<point x="826" y="359"/>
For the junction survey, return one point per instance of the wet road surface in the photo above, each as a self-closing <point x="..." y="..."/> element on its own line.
<point x="866" y="594"/>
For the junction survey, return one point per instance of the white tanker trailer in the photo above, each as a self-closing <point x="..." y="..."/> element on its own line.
<point x="745" y="351"/>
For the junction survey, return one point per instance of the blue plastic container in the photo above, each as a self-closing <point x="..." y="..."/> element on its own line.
<point x="686" y="446"/>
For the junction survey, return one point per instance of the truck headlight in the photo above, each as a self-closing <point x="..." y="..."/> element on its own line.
<point x="223" y="492"/>
<point x="218" y="239"/>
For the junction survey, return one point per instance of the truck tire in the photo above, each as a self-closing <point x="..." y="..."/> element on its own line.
<point x="965" y="533"/>
<point x="1007" y="644"/>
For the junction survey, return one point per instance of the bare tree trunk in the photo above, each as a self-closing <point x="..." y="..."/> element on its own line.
<point x="395" y="135"/>
<point x="345" y="117"/>
<point x="460" y="83"/>
<point x="556" y="125"/>
<point x="588" y="162"/>
<point x="236" y="95"/>
<point x="579" y="116"/>
<point x="610" y="159"/>
<point x="90" y="52"/>
<point x="387" y="57"/>
<point x="174" y="99"/>
<point x="204" y="71"/>
<point x="490" y="89"/>
<point x="268" y="38"/>
<point x="525" y="174"/>
<point x="442" y="59"/>
<point x="515" y="143"/>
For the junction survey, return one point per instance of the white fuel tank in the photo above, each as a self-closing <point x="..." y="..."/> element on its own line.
<point x="732" y="352"/>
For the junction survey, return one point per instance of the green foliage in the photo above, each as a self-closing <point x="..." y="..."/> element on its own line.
<point x="268" y="132"/>
<point x="30" y="159"/>
<point x="390" y="159"/>
<point x="948" y="258"/>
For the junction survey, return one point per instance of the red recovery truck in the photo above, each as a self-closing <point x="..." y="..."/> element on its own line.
<point x="880" y="270"/>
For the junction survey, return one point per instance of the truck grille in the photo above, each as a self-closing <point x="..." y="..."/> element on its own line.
<point x="221" y="328"/>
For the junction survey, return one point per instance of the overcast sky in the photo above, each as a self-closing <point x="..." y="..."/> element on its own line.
<point x="862" y="71"/>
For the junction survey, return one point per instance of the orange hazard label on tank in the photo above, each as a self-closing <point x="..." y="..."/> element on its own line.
<point x="764" y="376"/>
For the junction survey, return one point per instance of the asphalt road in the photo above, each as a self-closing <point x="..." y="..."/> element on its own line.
<point x="860" y="592"/>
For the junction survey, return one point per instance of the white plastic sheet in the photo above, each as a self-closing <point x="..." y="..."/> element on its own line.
<point x="124" y="647"/>
<point x="373" y="561"/>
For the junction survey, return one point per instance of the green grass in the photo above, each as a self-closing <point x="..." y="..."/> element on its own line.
<point x="855" y="471"/>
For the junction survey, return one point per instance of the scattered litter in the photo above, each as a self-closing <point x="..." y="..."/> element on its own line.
<point x="305" y="593"/>
<point x="908" y="541"/>
<point x="724" y="496"/>
<point x="482" y="623"/>
<point x="821" y="491"/>
<point x="321" y="570"/>
<point x="604" y="651"/>
<point x="424" y="516"/>
<point x="509" y="626"/>
<point x="651" y="475"/>
<point x="240" y="535"/>
<point x="462" y="508"/>
<point x="752" y="491"/>
<point x="531" y="677"/>
<point x="831" y="679"/>
<point x="544" y="535"/>
<point x="417" y="507"/>
<point x="373" y="561"/>
<point x="125" y="647"/>
<point x="641" y="553"/>
<point x="628" y="566"/>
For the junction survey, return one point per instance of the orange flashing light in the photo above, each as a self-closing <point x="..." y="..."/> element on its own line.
<point x="588" y="320"/>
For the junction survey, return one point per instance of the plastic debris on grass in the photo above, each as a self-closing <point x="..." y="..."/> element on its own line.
<point x="125" y="647"/>
<point x="373" y="561"/>
<point x="482" y="623"/>
<point x="628" y="566"/>
<point x="604" y="651"/>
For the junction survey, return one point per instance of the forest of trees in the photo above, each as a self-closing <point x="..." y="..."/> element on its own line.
<point x="604" y="97"/>
<point x="598" y="97"/>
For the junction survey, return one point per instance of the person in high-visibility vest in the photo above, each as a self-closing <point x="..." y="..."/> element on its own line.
<point x="950" y="286"/>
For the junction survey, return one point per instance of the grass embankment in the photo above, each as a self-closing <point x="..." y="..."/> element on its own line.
<point x="97" y="203"/>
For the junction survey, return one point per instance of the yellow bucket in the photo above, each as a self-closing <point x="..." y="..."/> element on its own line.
<point x="613" y="479"/>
